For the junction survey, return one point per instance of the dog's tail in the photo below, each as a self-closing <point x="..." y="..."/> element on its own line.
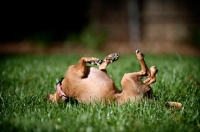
<point x="175" y="104"/>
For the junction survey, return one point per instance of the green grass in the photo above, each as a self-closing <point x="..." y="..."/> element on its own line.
<point x="26" y="79"/>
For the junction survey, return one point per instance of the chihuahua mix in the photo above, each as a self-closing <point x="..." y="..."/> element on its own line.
<point x="87" y="84"/>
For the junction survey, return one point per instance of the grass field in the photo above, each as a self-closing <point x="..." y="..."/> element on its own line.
<point x="26" y="79"/>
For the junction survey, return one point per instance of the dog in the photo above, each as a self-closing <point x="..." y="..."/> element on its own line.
<point x="87" y="84"/>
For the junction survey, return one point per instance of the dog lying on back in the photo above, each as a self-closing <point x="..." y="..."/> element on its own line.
<point x="88" y="84"/>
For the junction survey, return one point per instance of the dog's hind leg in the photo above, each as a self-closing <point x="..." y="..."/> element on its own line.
<point x="133" y="88"/>
<point x="144" y="67"/>
<point x="152" y="78"/>
<point x="151" y="75"/>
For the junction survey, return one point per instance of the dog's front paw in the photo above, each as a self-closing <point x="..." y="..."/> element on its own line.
<point x="97" y="62"/>
<point x="112" y="57"/>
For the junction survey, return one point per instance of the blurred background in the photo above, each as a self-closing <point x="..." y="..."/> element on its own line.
<point x="154" y="26"/>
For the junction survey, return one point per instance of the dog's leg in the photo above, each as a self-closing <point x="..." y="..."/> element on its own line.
<point x="107" y="60"/>
<point x="95" y="61"/>
<point x="133" y="88"/>
<point x="152" y="78"/>
<point x="81" y="68"/>
<point x="145" y="70"/>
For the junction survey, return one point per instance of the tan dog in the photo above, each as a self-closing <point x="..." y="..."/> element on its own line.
<point x="88" y="84"/>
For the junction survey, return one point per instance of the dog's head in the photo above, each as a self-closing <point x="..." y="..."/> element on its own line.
<point x="58" y="95"/>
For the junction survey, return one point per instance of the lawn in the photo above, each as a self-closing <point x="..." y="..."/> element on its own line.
<point x="26" y="79"/>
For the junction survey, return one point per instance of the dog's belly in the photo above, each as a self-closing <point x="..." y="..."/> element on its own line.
<point x="97" y="85"/>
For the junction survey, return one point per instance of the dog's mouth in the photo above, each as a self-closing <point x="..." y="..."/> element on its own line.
<point x="59" y="90"/>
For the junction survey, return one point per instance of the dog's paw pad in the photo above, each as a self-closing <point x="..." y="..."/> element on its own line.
<point x="112" y="57"/>
<point x="96" y="62"/>
<point x="99" y="62"/>
<point x="139" y="53"/>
